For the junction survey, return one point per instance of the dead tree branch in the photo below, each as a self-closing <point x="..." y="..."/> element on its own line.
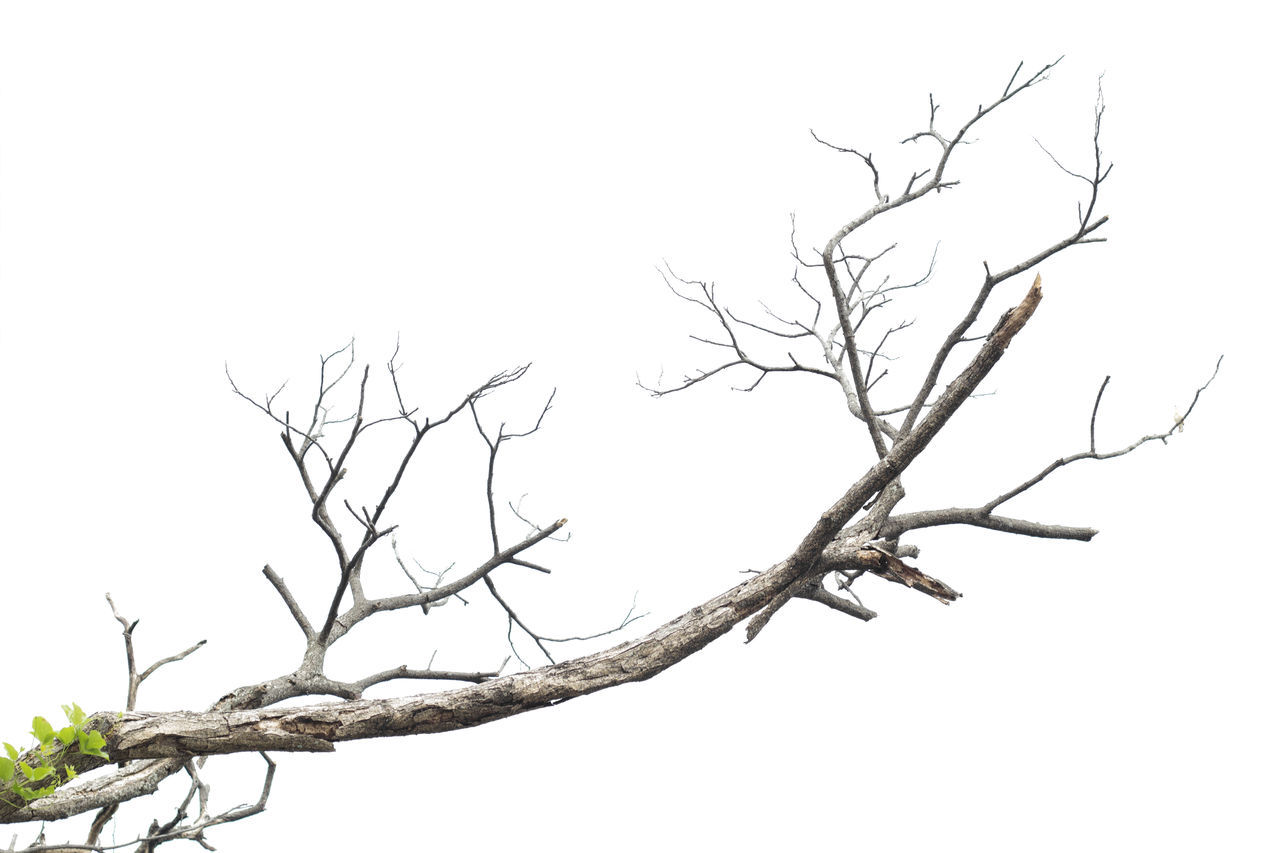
<point x="859" y="534"/>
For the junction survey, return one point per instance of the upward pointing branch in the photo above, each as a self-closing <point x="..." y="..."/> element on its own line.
<point x="799" y="567"/>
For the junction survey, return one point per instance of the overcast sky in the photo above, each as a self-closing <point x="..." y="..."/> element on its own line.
<point x="185" y="187"/>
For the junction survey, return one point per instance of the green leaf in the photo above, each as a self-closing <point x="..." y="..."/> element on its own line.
<point x="92" y="742"/>
<point x="41" y="728"/>
<point x="34" y="774"/>
<point x="28" y="794"/>
<point x="70" y="771"/>
<point x="66" y="734"/>
<point x="6" y="769"/>
<point x="12" y="751"/>
<point x="75" y="714"/>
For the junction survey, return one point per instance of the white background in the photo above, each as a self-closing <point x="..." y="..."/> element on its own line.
<point x="185" y="185"/>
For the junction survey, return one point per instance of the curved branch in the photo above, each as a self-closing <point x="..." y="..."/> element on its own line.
<point x="1092" y="452"/>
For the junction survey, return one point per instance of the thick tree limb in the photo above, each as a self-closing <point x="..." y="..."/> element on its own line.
<point x="176" y="736"/>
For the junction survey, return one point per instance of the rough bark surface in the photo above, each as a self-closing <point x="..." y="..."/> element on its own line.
<point x="172" y="737"/>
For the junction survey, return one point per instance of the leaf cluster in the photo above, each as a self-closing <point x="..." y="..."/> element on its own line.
<point x="36" y="774"/>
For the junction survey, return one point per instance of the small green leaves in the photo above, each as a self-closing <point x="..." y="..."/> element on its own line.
<point x="51" y="745"/>
<point x="35" y="774"/>
<point x="75" y="714"/>
<point x="43" y="731"/>
<point x="29" y="794"/>
<point x="91" y="742"/>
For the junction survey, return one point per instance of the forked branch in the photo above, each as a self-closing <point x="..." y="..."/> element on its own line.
<point x="859" y="535"/>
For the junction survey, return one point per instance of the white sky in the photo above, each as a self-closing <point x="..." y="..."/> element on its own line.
<point x="254" y="183"/>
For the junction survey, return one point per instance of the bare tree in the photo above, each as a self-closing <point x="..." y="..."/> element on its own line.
<point x="836" y="338"/>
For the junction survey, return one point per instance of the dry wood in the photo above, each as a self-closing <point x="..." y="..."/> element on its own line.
<point x="841" y="546"/>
